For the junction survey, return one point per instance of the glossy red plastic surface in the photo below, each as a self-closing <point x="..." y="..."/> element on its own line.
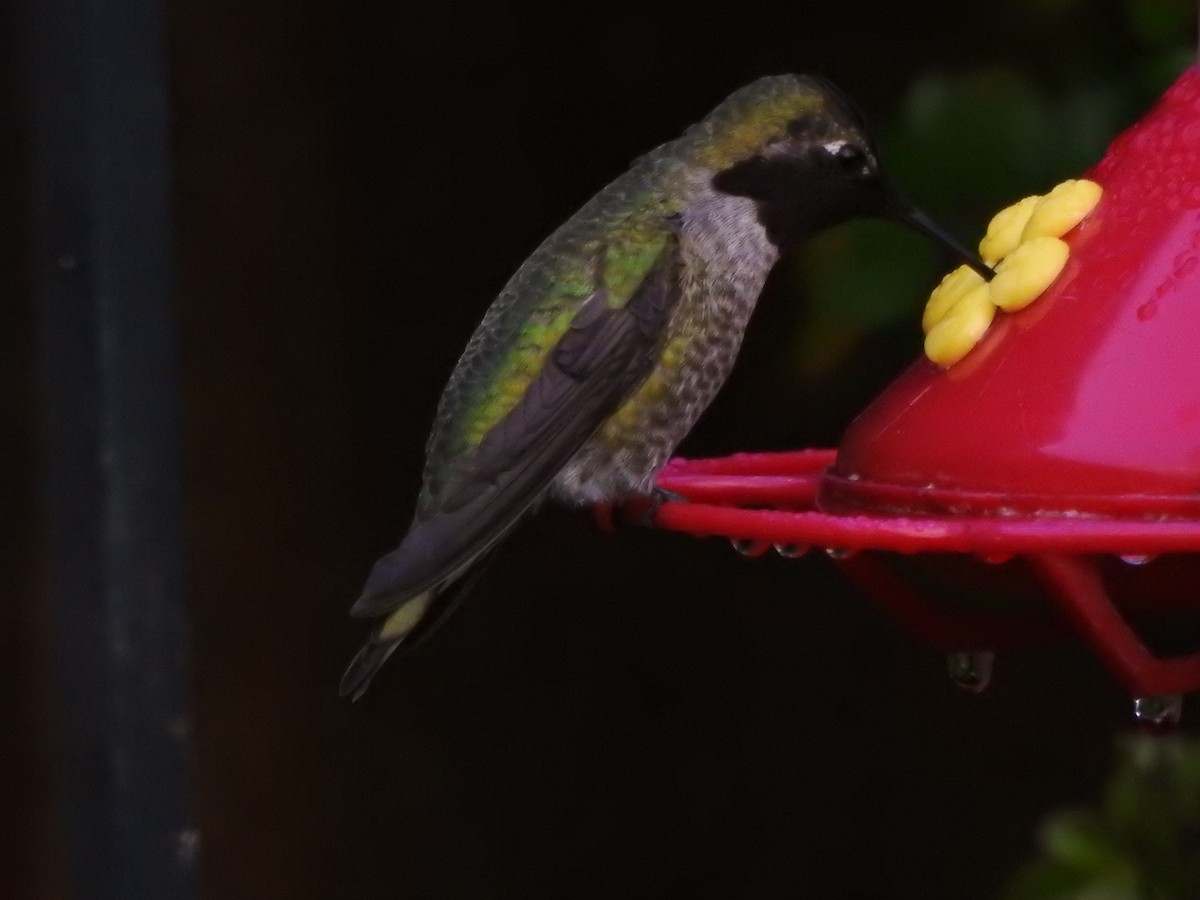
<point x="1089" y="399"/>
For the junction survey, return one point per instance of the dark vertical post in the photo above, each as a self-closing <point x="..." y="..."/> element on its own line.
<point x="102" y="273"/>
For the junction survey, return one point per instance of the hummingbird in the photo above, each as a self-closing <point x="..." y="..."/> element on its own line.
<point x="606" y="345"/>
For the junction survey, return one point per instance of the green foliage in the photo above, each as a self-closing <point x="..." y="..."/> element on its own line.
<point x="965" y="144"/>
<point x="997" y="137"/>
<point x="1142" y="843"/>
<point x="1160" y="23"/>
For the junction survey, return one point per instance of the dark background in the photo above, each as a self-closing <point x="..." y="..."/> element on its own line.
<point x="628" y="715"/>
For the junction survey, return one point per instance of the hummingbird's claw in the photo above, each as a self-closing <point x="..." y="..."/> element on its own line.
<point x="659" y="496"/>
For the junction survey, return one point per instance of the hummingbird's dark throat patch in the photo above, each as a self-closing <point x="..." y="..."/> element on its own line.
<point x="792" y="198"/>
<point x="759" y="178"/>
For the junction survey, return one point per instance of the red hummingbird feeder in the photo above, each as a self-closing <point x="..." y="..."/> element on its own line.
<point x="1053" y="473"/>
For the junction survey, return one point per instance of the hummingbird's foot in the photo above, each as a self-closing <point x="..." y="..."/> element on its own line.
<point x="659" y="496"/>
<point x="609" y="515"/>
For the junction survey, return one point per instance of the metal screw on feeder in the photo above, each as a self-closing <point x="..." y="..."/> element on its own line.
<point x="1050" y="438"/>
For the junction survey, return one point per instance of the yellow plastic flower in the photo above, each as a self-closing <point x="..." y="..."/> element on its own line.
<point x="953" y="288"/>
<point x="1023" y="246"/>
<point x="1062" y="209"/>
<point x="963" y="326"/>
<point x="1004" y="231"/>
<point x="1024" y="274"/>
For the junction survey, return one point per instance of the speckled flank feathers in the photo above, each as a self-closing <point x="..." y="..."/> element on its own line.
<point x="726" y="258"/>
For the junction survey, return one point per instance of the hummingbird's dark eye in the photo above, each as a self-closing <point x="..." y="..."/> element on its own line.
<point x="801" y="126"/>
<point x="851" y="156"/>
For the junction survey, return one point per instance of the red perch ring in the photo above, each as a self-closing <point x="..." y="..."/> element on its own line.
<point x="1067" y="441"/>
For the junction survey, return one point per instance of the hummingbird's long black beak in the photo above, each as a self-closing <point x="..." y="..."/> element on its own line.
<point x="905" y="212"/>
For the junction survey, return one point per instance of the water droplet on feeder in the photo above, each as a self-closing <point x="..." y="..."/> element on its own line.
<point x="971" y="670"/>
<point x="187" y="846"/>
<point x="839" y="552"/>
<point x="749" y="546"/>
<point x="1164" y="709"/>
<point x="791" y="551"/>
<point x="1134" y="559"/>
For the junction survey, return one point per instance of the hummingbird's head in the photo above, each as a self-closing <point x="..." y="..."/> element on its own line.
<point x="802" y="151"/>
